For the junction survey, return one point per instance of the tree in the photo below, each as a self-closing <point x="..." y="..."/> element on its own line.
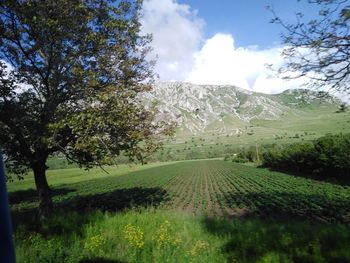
<point x="319" y="48"/>
<point x="71" y="78"/>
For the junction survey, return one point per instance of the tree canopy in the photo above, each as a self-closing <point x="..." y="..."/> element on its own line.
<point x="318" y="48"/>
<point x="71" y="76"/>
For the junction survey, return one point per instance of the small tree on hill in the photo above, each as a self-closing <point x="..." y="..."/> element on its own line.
<point x="319" y="48"/>
<point x="71" y="76"/>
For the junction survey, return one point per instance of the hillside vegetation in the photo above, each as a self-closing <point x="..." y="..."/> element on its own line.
<point x="224" y="109"/>
<point x="214" y="120"/>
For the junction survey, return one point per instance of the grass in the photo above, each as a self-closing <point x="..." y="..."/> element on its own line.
<point x="166" y="236"/>
<point x="74" y="175"/>
<point x="137" y="236"/>
<point x="193" y="211"/>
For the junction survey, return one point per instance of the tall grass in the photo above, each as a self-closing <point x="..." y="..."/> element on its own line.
<point x="150" y="235"/>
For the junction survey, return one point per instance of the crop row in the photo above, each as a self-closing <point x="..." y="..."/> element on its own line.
<point x="220" y="188"/>
<point x="217" y="188"/>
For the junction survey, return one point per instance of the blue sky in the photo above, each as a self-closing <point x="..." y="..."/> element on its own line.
<point x="247" y="20"/>
<point x="223" y="42"/>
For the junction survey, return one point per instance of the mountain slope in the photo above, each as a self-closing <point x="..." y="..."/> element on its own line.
<point x="227" y="109"/>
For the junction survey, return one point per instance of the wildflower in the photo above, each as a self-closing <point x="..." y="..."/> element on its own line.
<point x="177" y="241"/>
<point x="199" y="247"/>
<point x="94" y="243"/>
<point x="163" y="237"/>
<point x="134" y="235"/>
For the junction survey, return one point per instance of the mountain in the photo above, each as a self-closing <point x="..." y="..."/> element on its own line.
<point x="225" y="109"/>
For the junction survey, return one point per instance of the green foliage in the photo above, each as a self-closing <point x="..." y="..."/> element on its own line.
<point x="239" y="159"/>
<point x="71" y="75"/>
<point x="193" y="155"/>
<point x="83" y="65"/>
<point x="243" y="155"/>
<point x="185" y="239"/>
<point x="328" y="155"/>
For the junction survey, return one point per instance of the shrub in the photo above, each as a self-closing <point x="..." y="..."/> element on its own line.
<point x="328" y="155"/>
<point x="239" y="159"/>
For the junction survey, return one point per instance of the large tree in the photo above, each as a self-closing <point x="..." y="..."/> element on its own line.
<point x="318" y="48"/>
<point x="71" y="75"/>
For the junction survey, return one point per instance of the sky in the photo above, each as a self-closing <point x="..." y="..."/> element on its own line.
<point x="247" y="20"/>
<point x="224" y="42"/>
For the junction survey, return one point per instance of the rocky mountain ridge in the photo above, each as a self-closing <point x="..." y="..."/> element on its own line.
<point x="201" y="108"/>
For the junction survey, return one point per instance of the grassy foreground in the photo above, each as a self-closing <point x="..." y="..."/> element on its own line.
<point x="166" y="236"/>
<point x="193" y="211"/>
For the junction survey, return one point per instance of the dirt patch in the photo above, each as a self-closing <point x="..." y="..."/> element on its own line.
<point x="240" y="212"/>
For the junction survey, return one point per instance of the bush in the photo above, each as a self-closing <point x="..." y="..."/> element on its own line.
<point x="239" y="159"/>
<point x="328" y="155"/>
<point x="243" y="156"/>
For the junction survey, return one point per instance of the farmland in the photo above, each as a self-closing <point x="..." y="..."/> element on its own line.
<point x="206" y="197"/>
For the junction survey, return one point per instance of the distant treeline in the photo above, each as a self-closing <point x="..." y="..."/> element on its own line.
<point x="328" y="156"/>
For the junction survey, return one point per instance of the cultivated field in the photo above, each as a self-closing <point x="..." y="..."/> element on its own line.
<point x="215" y="188"/>
<point x="208" y="210"/>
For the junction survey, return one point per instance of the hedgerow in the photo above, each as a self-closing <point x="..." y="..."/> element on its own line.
<point x="328" y="155"/>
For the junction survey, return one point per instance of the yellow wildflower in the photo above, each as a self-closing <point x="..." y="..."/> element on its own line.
<point x="134" y="235"/>
<point x="164" y="238"/>
<point x="94" y="243"/>
<point x="199" y="247"/>
<point x="177" y="241"/>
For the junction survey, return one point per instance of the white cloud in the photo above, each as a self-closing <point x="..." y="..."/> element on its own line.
<point x="220" y="62"/>
<point x="177" y="34"/>
<point x="183" y="55"/>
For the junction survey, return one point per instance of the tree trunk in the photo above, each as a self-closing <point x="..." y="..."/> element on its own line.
<point x="43" y="189"/>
